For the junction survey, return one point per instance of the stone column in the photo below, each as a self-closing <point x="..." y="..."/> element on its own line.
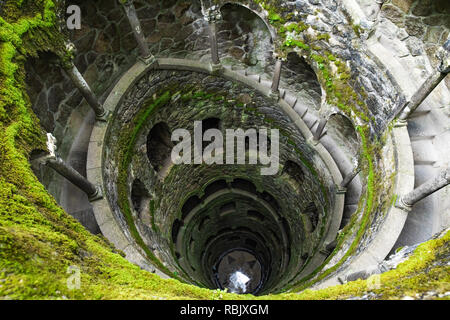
<point x="135" y="24"/>
<point x="320" y="128"/>
<point x="50" y="159"/>
<point x="276" y="78"/>
<point x="425" y="189"/>
<point x="213" y="42"/>
<point x="57" y="164"/>
<point x="81" y="84"/>
<point x="428" y="86"/>
<point x="349" y="177"/>
<point x="212" y="16"/>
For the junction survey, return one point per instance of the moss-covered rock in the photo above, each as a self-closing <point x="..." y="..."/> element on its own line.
<point x="39" y="241"/>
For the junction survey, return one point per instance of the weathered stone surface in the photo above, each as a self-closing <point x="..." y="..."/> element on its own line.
<point x="393" y="13"/>
<point x="55" y="96"/>
<point x="155" y="37"/>
<point x="237" y="52"/>
<point x="414" y="46"/>
<point x="414" y="27"/>
<point x="404" y="5"/>
<point x="180" y="9"/>
<point x="105" y="51"/>
<point x="147" y="13"/>
<point x="166" y="18"/>
<point x="442" y="6"/>
<point x="85" y="42"/>
<point x="423" y="8"/>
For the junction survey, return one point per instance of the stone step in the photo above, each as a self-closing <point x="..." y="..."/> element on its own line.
<point x="422" y="137"/>
<point x="423" y="172"/>
<point x="419" y="113"/>
<point x="423" y="152"/>
<point x="255" y="77"/>
<point x="312" y="127"/>
<point x="266" y="83"/>
<point x="242" y="72"/>
<point x="422" y="126"/>
<point x="290" y="99"/>
<point x="310" y="119"/>
<point x="300" y="108"/>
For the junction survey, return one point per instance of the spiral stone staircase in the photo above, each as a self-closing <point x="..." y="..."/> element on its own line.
<point x="165" y="242"/>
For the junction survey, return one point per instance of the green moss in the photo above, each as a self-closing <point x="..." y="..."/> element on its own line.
<point x="274" y="17"/>
<point x="298" y="27"/>
<point x="357" y="29"/>
<point x="323" y="36"/>
<point x="371" y="192"/>
<point x="39" y="241"/>
<point x="417" y="274"/>
<point x="296" y="43"/>
<point x="127" y="142"/>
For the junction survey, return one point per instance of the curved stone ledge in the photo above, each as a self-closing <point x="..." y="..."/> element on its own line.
<point x="108" y="224"/>
<point x="392" y="226"/>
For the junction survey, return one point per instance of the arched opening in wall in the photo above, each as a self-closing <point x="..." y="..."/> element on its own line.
<point x="215" y="187"/>
<point x="140" y="200"/>
<point x="267" y="197"/>
<point x="244" y="185"/>
<point x="251" y="243"/>
<point x="299" y="75"/>
<point x="239" y="271"/>
<point x="207" y="124"/>
<point x="159" y="146"/>
<point x="313" y="214"/>
<point x="176" y="226"/>
<point x="256" y="215"/>
<point x="227" y="208"/>
<point x="293" y="171"/>
<point x="189" y="205"/>
<point x="210" y="123"/>
<point x="341" y="129"/>
<point x="202" y="224"/>
<point x="244" y="36"/>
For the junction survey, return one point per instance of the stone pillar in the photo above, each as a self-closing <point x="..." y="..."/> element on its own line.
<point x="320" y="128"/>
<point x="276" y="77"/>
<point x="57" y="164"/>
<point x="81" y="84"/>
<point x="428" y="86"/>
<point x="50" y="159"/>
<point x="135" y="24"/>
<point x="425" y="189"/>
<point x="213" y="42"/>
<point x="212" y="16"/>
<point x="349" y="177"/>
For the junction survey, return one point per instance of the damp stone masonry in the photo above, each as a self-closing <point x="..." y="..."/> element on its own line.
<point x="358" y="92"/>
